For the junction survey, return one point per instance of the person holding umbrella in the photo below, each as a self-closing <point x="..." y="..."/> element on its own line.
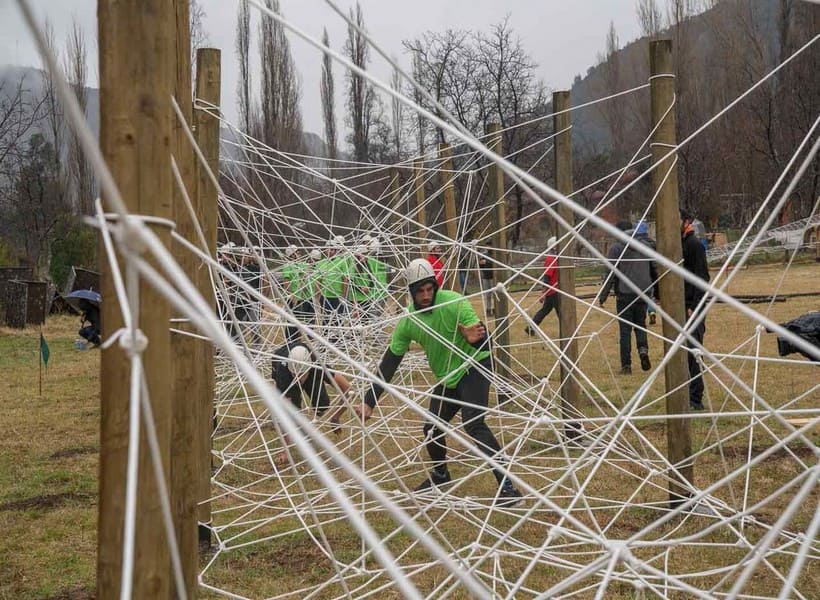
<point x="88" y="303"/>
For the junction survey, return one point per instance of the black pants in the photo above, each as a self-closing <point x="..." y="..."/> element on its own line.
<point x="333" y="309"/>
<point x="474" y="391"/>
<point x="551" y="302"/>
<point x="304" y="311"/>
<point x="695" y="377"/>
<point x="632" y="312"/>
<point x="89" y="333"/>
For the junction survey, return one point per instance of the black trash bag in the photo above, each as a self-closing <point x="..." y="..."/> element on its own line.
<point x="805" y="326"/>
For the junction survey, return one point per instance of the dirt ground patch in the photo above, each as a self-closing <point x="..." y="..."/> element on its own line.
<point x="48" y="502"/>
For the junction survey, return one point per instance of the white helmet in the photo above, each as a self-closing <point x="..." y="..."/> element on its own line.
<point x="361" y="250"/>
<point x="315" y="254"/>
<point x="552" y="242"/>
<point x="418" y="270"/>
<point x="432" y="245"/>
<point x="291" y="251"/>
<point x="338" y="241"/>
<point x="299" y="360"/>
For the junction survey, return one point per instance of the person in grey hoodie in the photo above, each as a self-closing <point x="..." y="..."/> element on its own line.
<point x="637" y="268"/>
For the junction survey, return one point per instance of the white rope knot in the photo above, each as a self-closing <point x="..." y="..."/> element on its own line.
<point x="133" y="342"/>
<point x="131" y="237"/>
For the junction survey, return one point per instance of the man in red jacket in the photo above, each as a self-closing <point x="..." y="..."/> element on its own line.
<point x="549" y="296"/>
<point x="434" y="258"/>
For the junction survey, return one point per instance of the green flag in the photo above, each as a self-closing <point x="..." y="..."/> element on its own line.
<point x="44" y="351"/>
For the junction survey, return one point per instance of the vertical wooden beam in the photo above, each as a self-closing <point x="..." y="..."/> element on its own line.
<point x="395" y="198"/>
<point x="421" y="207"/>
<point x="186" y="351"/>
<point x="501" y="307"/>
<point x="451" y="222"/>
<point x="136" y="82"/>
<point x="571" y="401"/>
<point x="667" y="217"/>
<point x="208" y="86"/>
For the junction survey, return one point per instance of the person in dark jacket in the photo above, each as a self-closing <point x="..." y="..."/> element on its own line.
<point x="694" y="261"/>
<point x="641" y="271"/>
<point x="91" y="315"/>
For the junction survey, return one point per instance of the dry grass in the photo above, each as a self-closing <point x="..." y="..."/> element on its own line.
<point x="48" y="466"/>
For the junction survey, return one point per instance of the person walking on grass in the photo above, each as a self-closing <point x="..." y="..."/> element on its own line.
<point x="550" y="300"/>
<point x="628" y="262"/>
<point x="456" y="345"/>
<point x="694" y="261"/>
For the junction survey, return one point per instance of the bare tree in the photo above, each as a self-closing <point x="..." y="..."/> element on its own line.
<point x="281" y="118"/>
<point x="243" y="46"/>
<point x="419" y="123"/>
<point x="649" y="17"/>
<point x="510" y="94"/>
<point x="55" y="120"/>
<point x="328" y="95"/>
<point x="360" y="94"/>
<point x="20" y="113"/>
<point x="33" y="204"/>
<point x="80" y="173"/>
<point x="199" y="38"/>
<point x="441" y="65"/>
<point x="397" y="114"/>
<point x="612" y="80"/>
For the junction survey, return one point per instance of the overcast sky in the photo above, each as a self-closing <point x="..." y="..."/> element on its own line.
<point x="563" y="37"/>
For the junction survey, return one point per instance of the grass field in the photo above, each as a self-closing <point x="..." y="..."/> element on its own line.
<point x="49" y="455"/>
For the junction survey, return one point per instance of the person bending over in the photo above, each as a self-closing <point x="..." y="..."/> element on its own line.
<point x="456" y="344"/>
<point x="296" y="372"/>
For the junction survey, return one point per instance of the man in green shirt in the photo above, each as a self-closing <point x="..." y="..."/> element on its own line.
<point x="333" y="280"/>
<point x="300" y="289"/>
<point x="381" y="272"/>
<point x="456" y="344"/>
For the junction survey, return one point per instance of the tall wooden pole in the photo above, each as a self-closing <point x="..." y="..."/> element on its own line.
<point x="667" y="217"/>
<point x="136" y="56"/>
<point x="395" y="198"/>
<point x="567" y="317"/>
<point x="501" y="307"/>
<point x="421" y="207"/>
<point x="186" y="351"/>
<point x="208" y="84"/>
<point x="451" y="222"/>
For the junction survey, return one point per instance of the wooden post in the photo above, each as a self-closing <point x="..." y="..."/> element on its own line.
<point x="501" y="307"/>
<point x="136" y="56"/>
<point x="395" y="197"/>
<point x="817" y="243"/>
<point x="571" y="402"/>
<point x="186" y="351"/>
<point x="421" y="207"/>
<point x="208" y="84"/>
<point x="450" y="218"/>
<point x="667" y="217"/>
